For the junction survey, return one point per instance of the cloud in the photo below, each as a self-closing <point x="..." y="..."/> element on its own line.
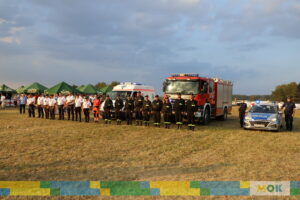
<point x="10" y="40"/>
<point x="144" y="41"/>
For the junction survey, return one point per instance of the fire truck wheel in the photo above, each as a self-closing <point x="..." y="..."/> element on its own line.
<point x="225" y="116"/>
<point x="206" y="116"/>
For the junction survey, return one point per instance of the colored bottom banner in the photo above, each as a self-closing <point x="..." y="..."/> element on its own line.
<point x="149" y="188"/>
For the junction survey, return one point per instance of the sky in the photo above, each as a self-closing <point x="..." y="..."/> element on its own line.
<point x="254" y="43"/>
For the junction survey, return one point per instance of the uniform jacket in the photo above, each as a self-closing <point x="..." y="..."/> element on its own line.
<point x="129" y="105"/>
<point x="179" y="105"/>
<point x="157" y="105"/>
<point x="147" y="106"/>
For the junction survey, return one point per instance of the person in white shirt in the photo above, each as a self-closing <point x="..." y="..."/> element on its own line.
<point x="52" y="103"/>
<point x="23" y="102"/>
<point x="46" y="106"/>
<point x="70" y="102"/>
<point x="78" y="104"/>
<point x="31" y="105"/>
<point x="2" y="101"/>
<point x="86" y="105"/>
<point x="40" y="103"/>
<point x="61" y="100"/>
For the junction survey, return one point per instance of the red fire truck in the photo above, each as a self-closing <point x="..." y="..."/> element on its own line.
<point x="214" y="96"/>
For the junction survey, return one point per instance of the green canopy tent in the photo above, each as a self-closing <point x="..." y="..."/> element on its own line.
<point x="4" y="89"/>
<point x="106" y="89"/>
<point x="35" y="88"/>
<point x="88" y="89"/>
<point x="63" y="88"/>
<point x="79" y="87"/>
<point x="20" y="90"/>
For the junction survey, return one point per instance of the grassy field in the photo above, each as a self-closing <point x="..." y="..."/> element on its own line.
<point x="39" y="149"/>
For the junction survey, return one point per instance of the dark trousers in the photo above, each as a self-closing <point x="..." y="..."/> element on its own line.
<point x="40" y="111"/>
<point x="242" y="117"/>
<point x="289" y="122"/>
<point x="52" y="112"/>
<point x="167" y="118"/>
<point x="129" y="117"/>
<point x="138" y="114"/>
<point x="61" y="112"/>
<point x="22" y="108"/>
<point x="118" y="115"/>
<point x="78" y="114"/>
<point x="146" y="116"/>
<point x="47" y="111"/>
<point x="191" y="118"/>
<point x="70" y="111"/>
<point x="178" y="117"/>
<point x="156" y="117"/>
<point x="107" y="115"/>
<point x="86" y="112"/>
<point x="31" y="110"/>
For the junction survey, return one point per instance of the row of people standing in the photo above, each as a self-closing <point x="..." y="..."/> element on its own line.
<point x="143" y="109"/>
<point x="73" y="105"/>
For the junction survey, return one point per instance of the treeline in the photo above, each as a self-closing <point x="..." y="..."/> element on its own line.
<point x="251" y="97"/>
<point x="281" y="92"/>
<point x="101" y="84"/>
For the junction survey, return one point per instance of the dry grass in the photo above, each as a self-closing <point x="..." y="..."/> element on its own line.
<point x="36" y="149"/>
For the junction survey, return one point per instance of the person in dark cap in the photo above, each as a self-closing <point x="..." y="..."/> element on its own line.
<point x="119" y="104"/>
<point x="129" y="108"/>
<point x="108" y="106"/>
<point x="156" y="110"/>
<point x="147" y="107"/>
<point x="191" y="108"/>
<point x="138" y="104"/>
<point x="167" y="112"/>
<point x="289" y="112"/>
<point x="178" y="110"/>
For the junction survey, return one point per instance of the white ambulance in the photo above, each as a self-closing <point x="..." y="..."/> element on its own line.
<point x="128" y="88"/>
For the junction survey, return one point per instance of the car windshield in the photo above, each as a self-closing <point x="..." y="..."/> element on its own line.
<point x="183" y="87"/>
<point x="123" y="94"/>
<point x="264" y="109"/>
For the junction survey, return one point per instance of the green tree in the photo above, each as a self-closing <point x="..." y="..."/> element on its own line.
<point x="100" y="85"/>
<point x="114" y="83"/>
<point x="282" y="91"/>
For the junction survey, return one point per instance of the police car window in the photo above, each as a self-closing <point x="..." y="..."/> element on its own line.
<point x="264" y="109"/>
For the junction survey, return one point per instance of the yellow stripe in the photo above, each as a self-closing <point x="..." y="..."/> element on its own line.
<point x="19" y="184"/>
<point x="30" y="191"/>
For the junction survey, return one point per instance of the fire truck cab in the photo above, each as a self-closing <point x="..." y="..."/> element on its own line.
<point x="214" y="96"/>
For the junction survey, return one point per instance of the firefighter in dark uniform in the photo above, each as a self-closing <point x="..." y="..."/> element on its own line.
<point x="119" y="104"/>
<point x="147" y="107"/>
<point x="138" y="104"/>
<point x="178" y="110"/>
<point x="289" y="112"/>
<point x="129" y="108"/>
<point x="108" y="106"/>
<point x="191" y="108"/>
<point x="156" y="110"/>
<point x="242" y="112"/>
<point x="167" y="112"/>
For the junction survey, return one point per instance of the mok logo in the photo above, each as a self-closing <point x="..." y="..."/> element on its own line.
<point x="266" y="188"/>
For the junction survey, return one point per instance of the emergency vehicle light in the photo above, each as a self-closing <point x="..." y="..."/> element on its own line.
<point x="181" y="75"/>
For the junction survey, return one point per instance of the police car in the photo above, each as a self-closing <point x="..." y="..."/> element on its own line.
<point x="263" y="117"/>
